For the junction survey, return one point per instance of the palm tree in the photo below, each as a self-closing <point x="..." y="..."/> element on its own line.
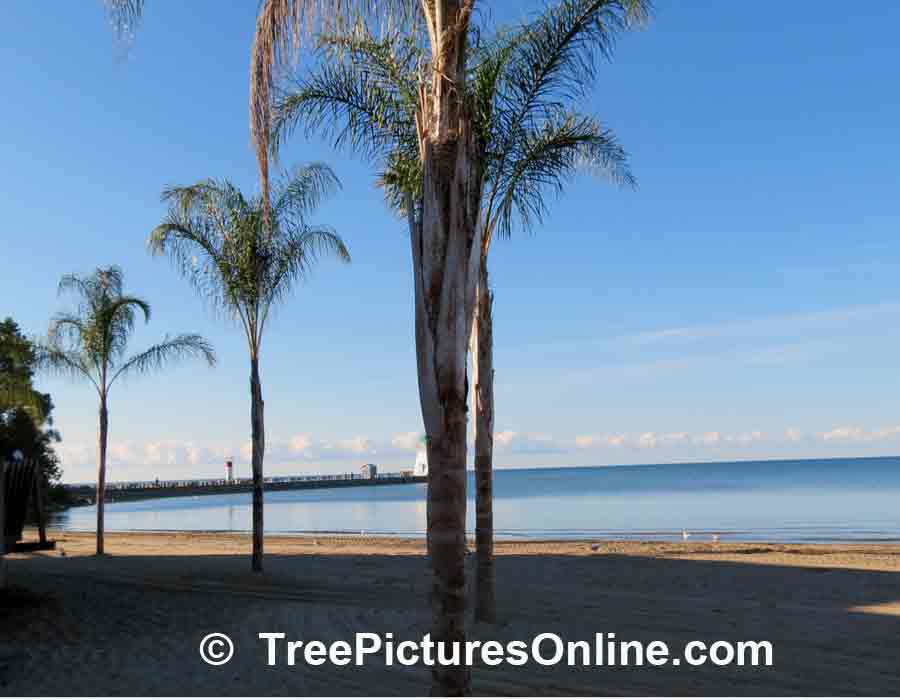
<point x="445" y="250"/>
<point x="220" y="241"/>
<point x="91" y="343"/>
<point x="532" y="142"/>
<point x="446" y="240"/>
<point x="537" y="143"/>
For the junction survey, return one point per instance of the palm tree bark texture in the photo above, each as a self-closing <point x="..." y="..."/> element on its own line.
<point x="103" y="434"/>
<point x="444" y="245"/>
<point x="483" y="402"/>
<point x="258" y="438"/>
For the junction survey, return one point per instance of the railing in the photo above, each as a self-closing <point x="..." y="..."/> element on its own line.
<point x="206" y="483"/>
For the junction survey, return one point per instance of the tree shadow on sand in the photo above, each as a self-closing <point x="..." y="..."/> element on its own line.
<point x="833" y="630"/>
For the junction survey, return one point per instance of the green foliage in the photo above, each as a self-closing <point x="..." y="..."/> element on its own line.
<point x="523" y="85"/>
<point x="218" y="240"/>
<point x="16" y="371"/>
<point x="26" y="421"/>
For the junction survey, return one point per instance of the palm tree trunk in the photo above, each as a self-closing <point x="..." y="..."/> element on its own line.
<point x="483" y="377"/>
<point x="101" y="471"/>
<point x="258" y="438"/>
<point x="445" y="248"/>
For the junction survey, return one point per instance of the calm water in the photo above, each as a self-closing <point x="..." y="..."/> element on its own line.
<point x="790" y="501"/>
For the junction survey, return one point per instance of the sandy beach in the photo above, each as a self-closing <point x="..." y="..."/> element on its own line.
<point x="131" y="622"/>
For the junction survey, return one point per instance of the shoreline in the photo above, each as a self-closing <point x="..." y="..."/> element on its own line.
<point x="639" y="537"/>
<point x="873" y="555"/>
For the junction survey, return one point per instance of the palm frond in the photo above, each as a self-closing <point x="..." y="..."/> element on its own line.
<point x="521" y="83"/>
<point x="293" y="262"/>
<point x="193" y="246"/>
<point x="116" y="320"/>
<point x="124" y="17"/>
<point x="92" y="341"/>
<point x="302" y="190"/>
<point x="534" y="141"/>
<point x="67" y="328"/>
<point x="220" y="242"/>
<point x="545" y="160"/>
<point x="354" y="102"/>
<point x="363" y="97"/>
<point x="169" y="351"/>
<point x="558" y="54"/>
<point x="280" y="24"/>
<point x="63" y="362"/>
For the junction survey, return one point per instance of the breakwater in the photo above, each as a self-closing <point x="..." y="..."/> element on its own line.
<point x="86" y="493"/>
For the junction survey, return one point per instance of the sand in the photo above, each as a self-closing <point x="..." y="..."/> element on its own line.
<point x="131" y="622"/>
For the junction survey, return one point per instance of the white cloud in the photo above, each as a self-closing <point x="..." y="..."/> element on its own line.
<point x="588" y="441"/>
<point x="857" y="434"/>
<point x="712" y="437"/>
<point x="771" y="325"/>
<point x="793" y="435"/>
<point x="750" y="438"/>
<point x="303" y="451"/>
<point x="300" y="443"/>
<point x="505" y="438"/>
<point x="519" y="443"/>
<point x="651" y="440"/>
<point x="358" y="445"/>
<point x="407" y="441"/>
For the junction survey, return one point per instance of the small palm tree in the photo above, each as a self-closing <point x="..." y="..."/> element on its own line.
<point x="91" y="342"/>
<point x="531" y="140"/>
<point x="220" y="241"/>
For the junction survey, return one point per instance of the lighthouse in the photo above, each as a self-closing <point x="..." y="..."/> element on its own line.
<point x="421" y="468"/>
<point x="229" y="471"/>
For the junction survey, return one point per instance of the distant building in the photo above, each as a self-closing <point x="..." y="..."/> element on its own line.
<point x="369" y="471"/>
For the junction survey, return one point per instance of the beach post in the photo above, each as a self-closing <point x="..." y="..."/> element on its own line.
<point x="2" y="525"/>
<point x="38" y="502"/>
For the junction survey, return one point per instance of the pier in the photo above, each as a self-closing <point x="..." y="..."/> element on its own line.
<point x="144" y="490"/>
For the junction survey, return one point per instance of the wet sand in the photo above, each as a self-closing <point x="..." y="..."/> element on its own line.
<point x="131" y="622"/>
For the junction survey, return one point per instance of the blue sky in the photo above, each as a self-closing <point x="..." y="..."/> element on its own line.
<point x="742" y="303"/>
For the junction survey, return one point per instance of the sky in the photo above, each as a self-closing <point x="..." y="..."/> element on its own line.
<point x="742" y="303"/>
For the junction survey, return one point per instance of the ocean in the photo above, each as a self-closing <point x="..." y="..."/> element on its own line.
<point x="829" y="500"/>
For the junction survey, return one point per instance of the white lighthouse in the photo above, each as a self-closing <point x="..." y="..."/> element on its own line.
<point x="421" y="468"/>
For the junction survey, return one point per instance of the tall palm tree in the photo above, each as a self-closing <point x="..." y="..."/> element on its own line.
<point x="523" y="85"/>
<point x="91" y="343"/>
<point x="538" y="142"/>
<point x="244" y="261"/>
<point x="445" y="250"/>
